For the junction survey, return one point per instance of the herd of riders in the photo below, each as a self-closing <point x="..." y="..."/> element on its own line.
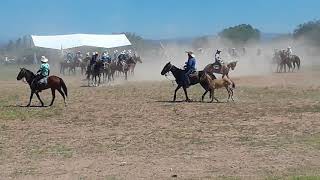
<point x="190" y="64"/>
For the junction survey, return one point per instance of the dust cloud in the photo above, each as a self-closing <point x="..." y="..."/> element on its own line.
<point x="250" y="64"/>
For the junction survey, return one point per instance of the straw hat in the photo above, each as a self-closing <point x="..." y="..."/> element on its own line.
<point x="44" y="59"/>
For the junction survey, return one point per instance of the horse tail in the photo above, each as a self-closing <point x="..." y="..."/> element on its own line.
<point x="233" y="85"/>
<point x="64" y="87"/>
<point x="298" y="62"/>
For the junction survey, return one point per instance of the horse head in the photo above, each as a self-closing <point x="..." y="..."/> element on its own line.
<point x="232" y="64"/>
<point x="21" y="74"/>
<point x="139" y="59"/>
<point x="166" y="68"/>
<point x="25" y="73"/>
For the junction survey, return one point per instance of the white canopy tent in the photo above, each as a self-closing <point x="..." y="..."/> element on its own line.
<point x="77" y="40"/>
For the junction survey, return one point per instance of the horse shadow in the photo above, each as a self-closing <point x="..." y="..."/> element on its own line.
<point x="193" y="101"/>
<point x="31" y="106"/>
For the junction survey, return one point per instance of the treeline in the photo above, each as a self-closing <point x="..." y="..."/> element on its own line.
<point x="309" y="31"/>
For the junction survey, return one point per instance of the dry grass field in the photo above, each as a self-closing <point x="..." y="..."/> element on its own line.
<point x="132" y="131"/>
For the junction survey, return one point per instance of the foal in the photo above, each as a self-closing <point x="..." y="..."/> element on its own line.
<point x="210" y="85"/>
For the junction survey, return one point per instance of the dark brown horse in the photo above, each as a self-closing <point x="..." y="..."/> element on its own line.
<point x="179" y="75"/>
<point x="54" y="83"/>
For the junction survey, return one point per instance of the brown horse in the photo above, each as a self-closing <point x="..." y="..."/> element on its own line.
<point x="211" y="84"/>
<point x="120" y="67"/>
<point x="53" y="82"/>
<point x="132" y="62"/>
<point x="224" y="70"/>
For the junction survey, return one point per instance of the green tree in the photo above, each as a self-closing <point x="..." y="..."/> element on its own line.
<point x="241" y="34"/>
<point x="310" y="31"/>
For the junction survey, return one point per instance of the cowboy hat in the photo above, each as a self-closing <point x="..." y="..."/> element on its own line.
<point x="190" y="53"/>
<point x="44" y="59"/>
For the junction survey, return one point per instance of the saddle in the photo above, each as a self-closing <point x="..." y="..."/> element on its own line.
<point x="194" y="74"/>
<point x="217" y="66"/>
<point x="43" y="81"/>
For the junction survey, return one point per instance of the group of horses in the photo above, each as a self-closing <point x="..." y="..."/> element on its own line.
<point x="206" y="78"/>
<point x="108" y="70"/>
<point x="104" y="69"/>
<point x="283" y="61"/>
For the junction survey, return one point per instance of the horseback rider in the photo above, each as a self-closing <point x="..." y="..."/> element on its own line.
<point x="106" y="57"/>
<point x="190" y="67"/>
<point x="94" y="59"/>
<point x="234" y="53"/>
<point x="92" y="62"/>
<point x="122" y="57"/>
<point x="218" y="59"/>
<point x="115" y="54"/>
<point x="43" y="72"/>
<point x="289" y="51"/>
<point x="69" y="57"/>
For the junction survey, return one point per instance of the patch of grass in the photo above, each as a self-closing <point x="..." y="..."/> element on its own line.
<point x="304" y="178"/>
<point x="58" y="150"/>
<point x="229" y="178"/>
<point x="308" y="108"/>
<point x="313" y="141"/>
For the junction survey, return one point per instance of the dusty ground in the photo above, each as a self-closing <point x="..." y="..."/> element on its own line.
<point x="132" y="131"/>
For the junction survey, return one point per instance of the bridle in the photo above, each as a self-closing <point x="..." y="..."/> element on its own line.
<point x="168" y="73"/>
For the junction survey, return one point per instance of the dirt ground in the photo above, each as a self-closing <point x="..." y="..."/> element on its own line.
<point x="133" y="131"/>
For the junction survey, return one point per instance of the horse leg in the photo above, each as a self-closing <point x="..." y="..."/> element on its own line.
<point x="175" y="93"/>
<point x="229" y="92"/>
<point x="31" y="95"/>
<point x="38" y="96"/>
<point x="212" y="96"/>
<point x="53" y="92"/>
<point x="62" y="94"/>
<point x="204" y="94"/>
<point x="186" y="94"/>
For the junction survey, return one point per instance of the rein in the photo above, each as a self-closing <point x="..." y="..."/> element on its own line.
<point x="167" y="74"/>
<point x="24" y="81"/>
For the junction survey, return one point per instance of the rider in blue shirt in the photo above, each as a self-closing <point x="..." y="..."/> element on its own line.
<point x="190" y="67"/>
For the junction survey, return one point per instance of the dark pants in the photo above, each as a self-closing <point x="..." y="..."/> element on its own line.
<point x="186" y="76"/>
<point x="35" y="82"/>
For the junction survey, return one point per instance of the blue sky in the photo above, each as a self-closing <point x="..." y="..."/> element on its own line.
<point x="152" y="19"/>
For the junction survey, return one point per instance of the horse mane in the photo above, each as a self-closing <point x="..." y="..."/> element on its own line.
<point x="231" y="62"/>
<point x="28" y="71"/>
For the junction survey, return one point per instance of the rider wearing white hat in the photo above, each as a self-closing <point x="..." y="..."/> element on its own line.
<point x="43" y="72"/>
<point x="289" y="51"/>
